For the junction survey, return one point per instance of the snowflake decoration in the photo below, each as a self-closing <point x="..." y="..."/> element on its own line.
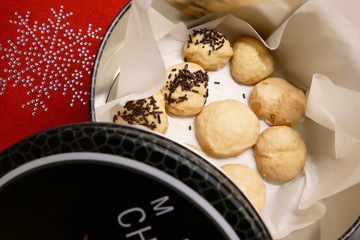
<point x="46" y="58"/>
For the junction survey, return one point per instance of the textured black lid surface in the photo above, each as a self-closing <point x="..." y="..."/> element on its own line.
<point x="147" y="148"/>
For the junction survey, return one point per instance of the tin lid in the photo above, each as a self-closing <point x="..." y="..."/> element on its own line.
<point x="106" y="180"/>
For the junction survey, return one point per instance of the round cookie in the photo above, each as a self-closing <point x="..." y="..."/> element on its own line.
<point x="196" y="149"/>
<point x="208" y="48"/>
<point x="185" y="89"/>
<point x="251" y="61"/>
<point x="280" y="153"/>
<point x="226" y="128"/>
<point x="200" y="8"/>
<point x="249" y="181"/>
<point x="278" y="102"/>
<point x="149" y="112"/>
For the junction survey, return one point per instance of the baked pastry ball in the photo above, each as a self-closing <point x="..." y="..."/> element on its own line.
<point x="149" y="112"/>
<point x="200" y="8"/>
<point x="249" y="181"/>
<point x="208" y="48"/>
<point x="280" y="153"/>
<point x="226" y="128"/>
<point x="251" y="61"/>
<point x="196" y="149"/>
<point x="278" y="102"/>
<point x="185" y="89"/>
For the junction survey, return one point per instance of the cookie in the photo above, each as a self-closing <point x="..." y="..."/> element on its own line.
<point x="226" y="128"/>
<point x="280" y="153"/>
<point x="251" y="61"/>
<point x="185" y="89"/>
<point x="208" y="48"/>
<point x="278" y="102"/>
<point x="249" y="182"/>
<point x="149" y="112"/>
<point x="200" y="8"/>
<point x="197" y="149"/>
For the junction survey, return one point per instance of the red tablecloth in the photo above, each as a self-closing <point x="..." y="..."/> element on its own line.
<point x="47" y="52"/>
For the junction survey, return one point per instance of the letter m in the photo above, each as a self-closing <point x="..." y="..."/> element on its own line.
<point x="159" y="208"/>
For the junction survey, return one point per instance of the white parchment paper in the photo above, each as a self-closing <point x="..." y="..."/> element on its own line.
<point x="306" y="56"/>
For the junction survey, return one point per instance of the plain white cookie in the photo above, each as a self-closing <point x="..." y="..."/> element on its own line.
<point x="226" y="128"/>
<point x="251" y="61"/>
<point x="149" y="112"/>
<point x="185" y="89"/>
<point x="197" y="149"/>
<point x="249" y="181"/>
<point x="200" y="8"/>
<point x="280" y="153"/>
<point x="277" y="101"/>
<point x="208" y="48"/>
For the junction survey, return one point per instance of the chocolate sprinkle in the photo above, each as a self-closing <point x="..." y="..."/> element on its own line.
<point x="186" y="80"/>
<point x="209" y="36"/>
<point x="137" y="112"/>
<point x="190" y="39"/>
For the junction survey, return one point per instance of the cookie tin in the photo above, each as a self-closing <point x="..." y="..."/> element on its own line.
<point x="112" y="181"/>
<point x="103" y="180"/>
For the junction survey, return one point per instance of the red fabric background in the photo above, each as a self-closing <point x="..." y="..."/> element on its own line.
<point x="47" y="52"/>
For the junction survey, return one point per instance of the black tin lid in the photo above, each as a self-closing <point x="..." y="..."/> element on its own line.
<point x="109" y="180"/>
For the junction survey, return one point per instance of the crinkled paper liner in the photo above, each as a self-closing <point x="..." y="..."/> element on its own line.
<point x="307" y="54"/>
